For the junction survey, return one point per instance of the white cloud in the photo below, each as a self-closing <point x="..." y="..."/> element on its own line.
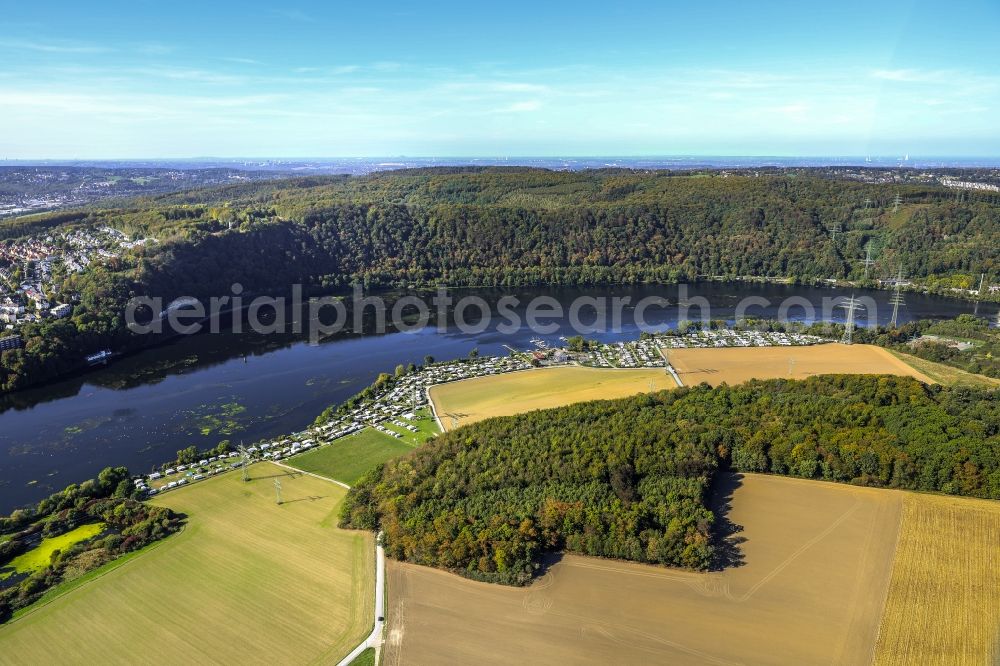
<point x="193" y="75"/>
<point x="504" y="86"/>
<point x="521" y="107"/>
<point x="53" y="46"/>
<point x="904" y="75"/>
<point x="242" y="61"/>
<point x="323" y="109"/>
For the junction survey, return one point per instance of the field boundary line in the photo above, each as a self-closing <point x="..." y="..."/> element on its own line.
<point x="318" y="476"/>
<point x="885" y="353"/>
<point x="430" y="401"/>
<point x="883" y="506"/>
<point x="903" y="510"/>
<point x="373" y="639"/>
<point x="670" y="368"/>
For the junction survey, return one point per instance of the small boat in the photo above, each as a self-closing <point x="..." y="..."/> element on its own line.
<point x="99" y="357"/>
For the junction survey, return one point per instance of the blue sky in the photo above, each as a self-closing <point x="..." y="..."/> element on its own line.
<point x="179" y="79"/>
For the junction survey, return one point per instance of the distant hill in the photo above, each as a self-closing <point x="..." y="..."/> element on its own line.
<point x="26" y="189"/>
<point x="469" y="226"/>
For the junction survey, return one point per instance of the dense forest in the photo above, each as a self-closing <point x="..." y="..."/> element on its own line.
<point x="505" y="227"/>
<point x="489" y="227"/>
<point x="628" y="478"/>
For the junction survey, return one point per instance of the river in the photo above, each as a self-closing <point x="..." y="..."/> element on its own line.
<point x="204" y="388"/>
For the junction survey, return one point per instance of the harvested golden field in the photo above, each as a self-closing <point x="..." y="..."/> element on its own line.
<point x="246" y="581"/>
<point x="735" y="365"/>
<point x="944" y="594"/>
<point x="810" y="589"/>
<point x="471" y="400"/>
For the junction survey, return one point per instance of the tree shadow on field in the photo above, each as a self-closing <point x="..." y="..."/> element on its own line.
<point x="548" y="560"/>
<point x="726" y="537"/>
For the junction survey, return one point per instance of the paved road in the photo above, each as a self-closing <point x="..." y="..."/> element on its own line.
<point x="374" y="639"/>
<point x="670" y="368"/>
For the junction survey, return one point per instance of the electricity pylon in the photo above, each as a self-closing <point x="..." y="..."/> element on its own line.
<point x="897" y="298"/>
<point x="850" y="305"/>
<point x="833" y="229"/>
<point x="245" y="461"/>
<point x="868" y="258"/>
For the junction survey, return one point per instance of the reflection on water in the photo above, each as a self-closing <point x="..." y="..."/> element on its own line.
<point x="203" y="389"/>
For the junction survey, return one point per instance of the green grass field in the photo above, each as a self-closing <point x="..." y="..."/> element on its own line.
<point x="40" y="556"/>
<point x="426" y="427"/>
<point x="245" y="581"/>
<point x="347" y="459"/>
<point x="366" y="658"/>
<point x="945" y="374"/>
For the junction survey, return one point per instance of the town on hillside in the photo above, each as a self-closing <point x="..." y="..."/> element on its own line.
<point x="33" y="272"/>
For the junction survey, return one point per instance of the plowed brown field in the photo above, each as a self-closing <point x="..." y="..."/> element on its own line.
<point x="810" y="590"/>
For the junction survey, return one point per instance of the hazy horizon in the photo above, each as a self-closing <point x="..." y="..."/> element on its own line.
<point x="526" y="156"/>
<point x="363" y="164"/>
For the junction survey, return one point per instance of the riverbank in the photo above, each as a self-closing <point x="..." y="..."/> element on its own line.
<point x="909" y="287"/>
<point x="84" y="368"/>
<point x="204" y="389"/>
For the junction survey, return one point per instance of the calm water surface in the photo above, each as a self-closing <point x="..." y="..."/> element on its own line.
<point x="205" y="388"/>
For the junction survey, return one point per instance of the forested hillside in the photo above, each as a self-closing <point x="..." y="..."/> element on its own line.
<point x="518" y="226"/>
<point x="628" y="478"/>
<point x="496" y="227"/>
<point x="491" y="226"/>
